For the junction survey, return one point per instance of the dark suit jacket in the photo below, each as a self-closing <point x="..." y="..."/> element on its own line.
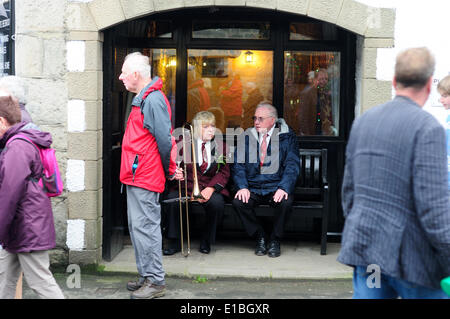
<point x="395" y="194"/>
<point x="214" y="176"/>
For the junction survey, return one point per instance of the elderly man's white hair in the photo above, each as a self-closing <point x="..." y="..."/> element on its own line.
<point x="137" y="62"/>
<point x="15" y="86"/>
<point x="268" y="106"/>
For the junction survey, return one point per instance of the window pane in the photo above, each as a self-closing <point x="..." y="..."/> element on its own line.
<point x="164" y="65"/>
<point x="312" y="31"/>
<point x="150" y="29"/>
<point x="229" y="83"/>
<point x="311" y="92"/>
<point x="231" y="30"/>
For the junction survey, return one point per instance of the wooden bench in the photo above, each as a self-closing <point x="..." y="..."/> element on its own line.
<point x="311" y="194"/>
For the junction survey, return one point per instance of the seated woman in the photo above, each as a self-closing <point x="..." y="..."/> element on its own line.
<point x="213" y="173"/>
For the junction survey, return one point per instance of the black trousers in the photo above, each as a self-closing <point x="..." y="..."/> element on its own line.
<point x="253" y="225"/>
<point x="213" y="211"/>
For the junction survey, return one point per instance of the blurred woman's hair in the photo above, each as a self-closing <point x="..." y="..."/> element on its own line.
<point x="10" y="110"/>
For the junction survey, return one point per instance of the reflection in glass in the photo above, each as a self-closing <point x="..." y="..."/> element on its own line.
<point x="164" y="65"/>
<point x="144" y="28"/>
<point x="311" y="92"/>
<point x="312" y="31"/>
<point x="227" y="84"/>
<point x="231" y="30"/>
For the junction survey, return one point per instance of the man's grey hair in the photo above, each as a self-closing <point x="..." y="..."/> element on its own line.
<point x="138" y="62"/>
<point x="414" y="67"/>
<point x="268" y="106"/>
<point x="15" y="86"/>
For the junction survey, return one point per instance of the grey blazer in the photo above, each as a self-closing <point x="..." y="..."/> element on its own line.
<point x="395" y="194"/>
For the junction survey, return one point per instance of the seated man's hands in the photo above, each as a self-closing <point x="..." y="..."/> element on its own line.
<point x="279" y="195"/>
<point x="243" y="195"/>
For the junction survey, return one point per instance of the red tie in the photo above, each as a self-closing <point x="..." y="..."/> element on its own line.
<point x="263" y="150"/>
<point x="205" y="159"/>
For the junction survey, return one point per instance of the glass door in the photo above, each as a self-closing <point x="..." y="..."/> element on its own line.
<point x="312" y="92"/>
<point x="229" y="83"/>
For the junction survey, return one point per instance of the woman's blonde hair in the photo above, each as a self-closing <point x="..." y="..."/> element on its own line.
<point x="444" y="85"/>
<point x="203" y="117"/>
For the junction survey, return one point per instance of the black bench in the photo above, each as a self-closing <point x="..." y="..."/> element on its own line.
<point x="311" y="194"/>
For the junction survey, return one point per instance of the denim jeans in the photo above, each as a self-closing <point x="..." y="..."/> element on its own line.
<point x="390" y="288"/>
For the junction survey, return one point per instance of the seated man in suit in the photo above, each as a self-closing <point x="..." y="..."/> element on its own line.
<point x="265" y="170"/>
<point x="213" y="173"/>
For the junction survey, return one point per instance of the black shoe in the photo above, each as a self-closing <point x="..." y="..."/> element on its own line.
<point x="173" y="248"/>
<point x="260" y="247"/>
<point x="205" y="247"/>
<point x="171" y="251"/>
<point x="274" y="248"/>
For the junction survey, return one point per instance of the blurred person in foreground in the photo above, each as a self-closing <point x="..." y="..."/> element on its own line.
<point x="395" y="193"/>
<point x="27" y="229"/>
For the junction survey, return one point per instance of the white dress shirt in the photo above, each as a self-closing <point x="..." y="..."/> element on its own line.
<point x="261" y="136"/>
<point x="199" y="152"/>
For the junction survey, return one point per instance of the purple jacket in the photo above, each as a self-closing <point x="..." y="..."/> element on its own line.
<point x="26" y="218"/>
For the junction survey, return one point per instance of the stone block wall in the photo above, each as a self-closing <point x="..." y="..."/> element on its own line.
<point x="58" y="53"/>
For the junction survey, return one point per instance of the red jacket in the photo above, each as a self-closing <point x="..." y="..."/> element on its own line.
<point x="231" y="101"/>
<point x="148" y="142"/>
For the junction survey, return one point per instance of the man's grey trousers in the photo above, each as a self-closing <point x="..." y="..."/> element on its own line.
<point x="144" y="220"/>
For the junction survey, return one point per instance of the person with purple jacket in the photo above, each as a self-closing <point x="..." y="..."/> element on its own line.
<point x="27" y="229"/>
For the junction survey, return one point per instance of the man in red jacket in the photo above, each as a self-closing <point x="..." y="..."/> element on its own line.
<point x="148" y="157"/>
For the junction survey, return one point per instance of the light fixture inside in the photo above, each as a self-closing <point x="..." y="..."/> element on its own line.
<point x="249" y="56"/>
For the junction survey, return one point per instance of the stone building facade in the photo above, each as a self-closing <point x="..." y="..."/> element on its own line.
<point x="58" y="52"/>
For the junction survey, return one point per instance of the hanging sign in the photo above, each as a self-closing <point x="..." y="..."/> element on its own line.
<point x="6" y="38"/>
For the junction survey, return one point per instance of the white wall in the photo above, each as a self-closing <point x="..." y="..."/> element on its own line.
<point x="418" y="23"/>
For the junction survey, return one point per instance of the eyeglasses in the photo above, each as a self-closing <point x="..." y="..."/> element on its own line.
<point x="259" y="118"/>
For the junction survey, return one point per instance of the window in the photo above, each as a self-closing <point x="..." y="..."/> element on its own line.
<point x="312" y="31"/>
<point x="151" y="29"/>
<point x="164" y="65"/>
<point x="311" y="92"/>
<point x="229" y="83"/>
<point x="230" y="30"/>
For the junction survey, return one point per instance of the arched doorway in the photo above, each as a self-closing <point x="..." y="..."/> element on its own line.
<point x="236" y="57"/>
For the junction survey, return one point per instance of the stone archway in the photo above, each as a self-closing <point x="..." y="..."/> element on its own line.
<point x="85" y="21"/>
